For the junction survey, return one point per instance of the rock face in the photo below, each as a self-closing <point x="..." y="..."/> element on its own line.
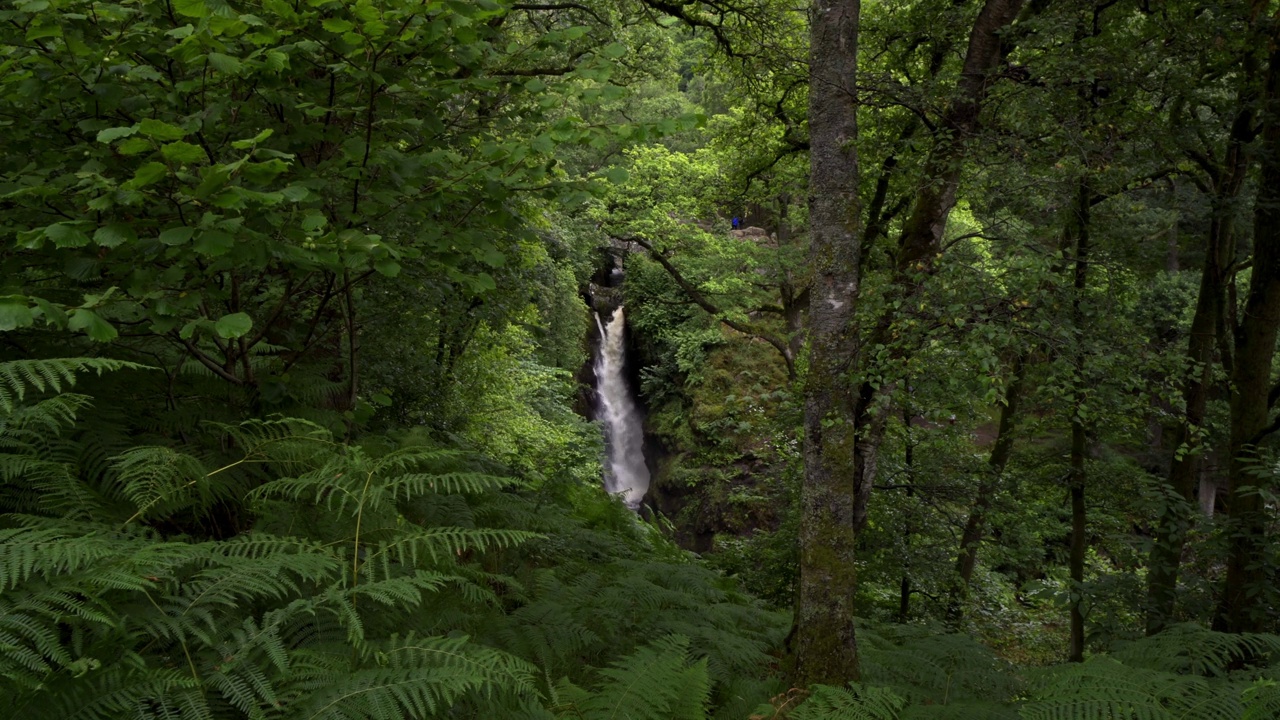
<point x="755" y="234"/>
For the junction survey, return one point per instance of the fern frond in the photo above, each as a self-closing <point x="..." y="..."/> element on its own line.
<point x="416" y="678"/>
<point x="1261" y="701"/>
<point x="160" y="480"/>
<point x="433" y="544"/>
<point x="656" y="682"/>
<point x="858" y="702"/>
<point x="935" y="669"/>
<point x="18" y="377"/>
<point x="1105" y="688"/>
<point x="49" y="417"/>
<point x="1194" y="649"/>
<point x="124" y="688"/>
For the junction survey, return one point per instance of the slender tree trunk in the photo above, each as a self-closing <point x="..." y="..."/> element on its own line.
<point x="975" y="527"/>
<point x="1184" y="471"/>
<point x="1206" y="325"/>
<point x="1243" y="605"/>
<point x="824" y="646"/>
<point x="923" y="230"/>
<point x="920" y="242"/>
<point x="1079" y="437"/>
<point x="908" y="527"/>
<point x="1079" y="540"/>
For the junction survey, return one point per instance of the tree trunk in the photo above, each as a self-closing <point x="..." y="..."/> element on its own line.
<point x="842" y="429"/>
<point x="1243" y="605"/>
<point x="923" y="230"/>
<point x="1079" y="540"/>
<point x="824" y="647"/>
<point x="908" y="527"/>
<point x="1184" y="471"/>
<point x="1079" y="436"/>
<point x="1207" y="322"/>
<point x="975" y="526"/>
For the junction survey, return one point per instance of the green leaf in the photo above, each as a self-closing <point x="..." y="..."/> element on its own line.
<point x="38" y="32"/>
<point x="334" y="25"/>
<point x="617" y="175"/>
<point x="161" y="130"/>
<point x="313" y="222"/>
<point x="191" y="8"/>
<point x="177" y="235"/>
<point x="246" y="144"/>
<point x="147" y="175"/>
<point x="114" y="235"/>
<point x="214" y="243"/>
<point x="233" y="326"/>
<point x="224" y="63"/>
<point x="134" y="145"/>
<point x="388" y="267"/>
<point x="263" y="172"/>
<point x="184" y="153"/>
<point x="53" y="315"/>
<point x="66" y="236"/>
<point x="92" y="324"/>
<point x="614" y="51"/>
<point x="115" y="133"/>
<point x="14" y="314"/>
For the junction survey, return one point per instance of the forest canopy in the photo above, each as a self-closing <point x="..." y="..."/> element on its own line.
<point x="341" y="339"/>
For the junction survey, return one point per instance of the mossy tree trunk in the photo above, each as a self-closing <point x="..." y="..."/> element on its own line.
<point x="1207" y="333"/>
<point x="1243" y="606"/>
<point x="1079" y="432"/>
<point x="825" y="649"/>
<point x="842" y="428"/>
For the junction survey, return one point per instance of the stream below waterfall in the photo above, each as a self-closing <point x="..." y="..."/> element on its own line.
<point x="625" y="469"/>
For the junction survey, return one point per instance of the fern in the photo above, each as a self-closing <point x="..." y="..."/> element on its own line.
<point x="1105" y="688"/>
<point x="19" y="377"/>
<point x="362" y="583"/>
<point x="1261" y="700"/>
<point x="935" y="670"/>
<point x="1192" y="649"/>
<point x="160" y="480"/>
<point x="859" y="702"/>
<point x="656" y="682"/>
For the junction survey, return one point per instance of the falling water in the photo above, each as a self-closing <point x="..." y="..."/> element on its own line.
<point x="626" y="472"/>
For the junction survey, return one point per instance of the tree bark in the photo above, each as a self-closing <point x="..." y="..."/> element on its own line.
<point x="1079" y="437"/>
<point x="842" y="429"/>
<point x="1079" y="540"/>
<point x="909" y="527"/>
<point x="975" y="526"/>
<point x="1209" y="328"/>
<point x="923" y="230"/>
<point x="1184" y="470"/>
<point x="920" y="242"/>
<point x="824" y="647"/>
<point x="1243" y="606"/>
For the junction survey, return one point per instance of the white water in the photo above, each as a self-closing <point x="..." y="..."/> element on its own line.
<point x="626" y="472"/>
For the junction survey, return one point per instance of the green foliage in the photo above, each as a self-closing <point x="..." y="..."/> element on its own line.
<point x="351" y="596"/>
<point x="856" y="703"/>
<point x="18" y="377"/>
<point x="656" y="682"/>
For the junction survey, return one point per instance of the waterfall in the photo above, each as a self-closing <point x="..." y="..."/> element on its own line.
<point x="625" y="472"/>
